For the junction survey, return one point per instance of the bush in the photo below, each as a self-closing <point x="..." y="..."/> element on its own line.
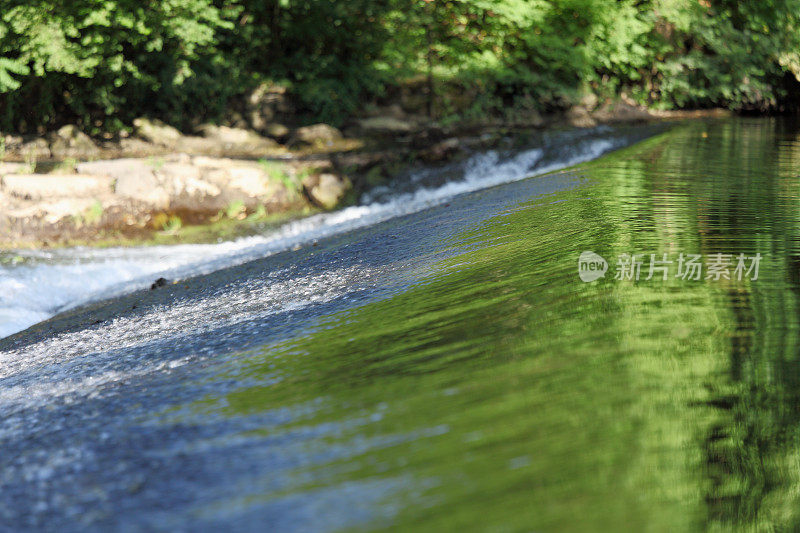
<point x="102" y="63"/>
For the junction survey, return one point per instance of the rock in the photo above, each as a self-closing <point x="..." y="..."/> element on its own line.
<point x="325" y="190"/>
<point x="156" y="132"/>
<point x="413" y="96"/>
<point x="362" y="161"/>
<point x="45" y="186"/>
<point x="236" y="137"/>
<point x="160" y="282"/>
<point x="236" y="120"/>
<point x="195" y="188"/>
<point x="385" y="125"/>
<point x="579" y="117"/>
<point x="244" y="183"/>
<point x="316" y="135"/>
<point x="621" y="111"/>
<point x="177" y="172"/>
<point x="250" y="180"/>
<point x="11" y="142"/>
<point x="178" y="157"/>
<point x="204" y="161"/>
<point x="427" y="137"/>
<point x="117" y="168"/>
<point x="144" y="188"/>
<point x="176" y="177"/>
<point x="52" y="212"/>
<point x="12" y="168"/>
<point x="35" y="149"/>
<point x="393" y="111"/>
<point x="442" y="151"/>
<point x="70" y="142"/>
<point x="589" y="100"/>
<point x="261" y="116"/>
<point x="135" y="179"/>
<point x="177" y="181"/>
<point x="199" y="145"/>
<point x="265" y="103"/>
<point x="253" y="146"/>
<point x="529" y="118"/>
<point x="186" y="188"/>
<point x="133" y="147"/>
<point x="276" y="131"/>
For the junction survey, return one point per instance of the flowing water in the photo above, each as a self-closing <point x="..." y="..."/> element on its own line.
<point x="435" y="362"/>
<point x="35" y="285"/>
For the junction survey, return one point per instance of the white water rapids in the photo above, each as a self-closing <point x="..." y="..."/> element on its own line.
<point x="35" y="285"/>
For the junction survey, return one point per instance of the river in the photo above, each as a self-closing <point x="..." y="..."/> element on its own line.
<point x="432" y="359"/>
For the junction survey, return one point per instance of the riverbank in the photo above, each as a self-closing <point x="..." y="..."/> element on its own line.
<point x="162" y="186"/>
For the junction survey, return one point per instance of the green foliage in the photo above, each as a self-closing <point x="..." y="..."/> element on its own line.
<point x="259" y="214"/>
<point x="8" y="67"/>
<point x="172" y="225"/>
<point x="89" y="60"/>
<point x="235" y="210"/>
<point x="90" y="217"/>
<point x="278" y="173"/>
<point x="669" y="53"/>
<point x="101" y="63"/>
<point x="94" y="213"/>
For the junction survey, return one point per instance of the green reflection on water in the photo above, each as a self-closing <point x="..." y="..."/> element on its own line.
<point x="508" y="395"/>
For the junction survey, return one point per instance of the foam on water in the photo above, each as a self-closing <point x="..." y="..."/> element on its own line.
<point x="43" y="284"/>
<point x="81" y="362"/>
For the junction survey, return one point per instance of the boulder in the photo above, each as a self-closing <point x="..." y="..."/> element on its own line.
<point x="621" y="111"/>
<point x="266" y="103"/>
<point x="276" y="131"/>
<point x="579" y="117"/>
<point x="236" y="120"/>
<point x="205" y="161"/>
<point x="392" y="110"/>
<point x="428" y="136"/>
<point x="156" y="132"/>
<point x="233" y="142"/>
<point x="386" y="125"/>
<point x="442" y="151"/>
<point x="187" y="189"/>
<point x="35" y="149"/>
<point x="133" y="147"/>
<point x="177" y="172"/>
<point x="589" y="100"/>
<point x="350" y="162"/>
<point x="199" y="145"/>
<point x="325" y="190"/>
<point x="135" y="179"/>
<point x="252" y="181"/>
<point x="47" y="186"/>
<point x="11" y="142"/>
<point x="59" y="209"/>
<point x="117" y="168"/>
<point x="12" y="168"/>
<point x="160" y="282"/>
<point x="316" y="135"/>
<point x="70" y="142"/>
<point x="143" y="188"/>
<point x="529" y="118"/>
<point x="236" y="137"/>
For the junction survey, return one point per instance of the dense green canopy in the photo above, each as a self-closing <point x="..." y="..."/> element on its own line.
<point x="103" y="62"/>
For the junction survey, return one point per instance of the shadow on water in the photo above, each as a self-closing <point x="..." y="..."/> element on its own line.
<point x="450" y="370"/>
